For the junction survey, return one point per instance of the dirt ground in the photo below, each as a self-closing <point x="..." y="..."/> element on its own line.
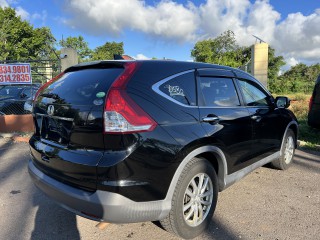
<point x="266" y="204"/>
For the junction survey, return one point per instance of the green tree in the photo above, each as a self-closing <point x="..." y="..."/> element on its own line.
<point x="19" y="40"/>
<point x="224" y="50"/>
<point x="298" y="79"/>
<point x="221" y="50"/>
<point x="275" y="84"/>
<point x="79" y="44"/>
<point x="106" y="51"/>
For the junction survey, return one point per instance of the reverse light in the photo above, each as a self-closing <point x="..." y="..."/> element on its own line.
<point x="122" y="114"/>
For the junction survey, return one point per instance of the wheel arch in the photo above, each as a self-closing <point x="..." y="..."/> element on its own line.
<point x="293" y="125"/>
<point x="213" y="155"/>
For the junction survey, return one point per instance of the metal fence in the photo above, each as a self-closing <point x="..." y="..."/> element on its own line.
<point x="247" y="67"/>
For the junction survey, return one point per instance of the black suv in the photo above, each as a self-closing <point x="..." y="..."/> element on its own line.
<point x="314" y="106"/>
<point x="132" y="141"/>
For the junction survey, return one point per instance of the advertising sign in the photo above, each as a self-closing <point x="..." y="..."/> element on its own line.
<point x="17" y="73"/>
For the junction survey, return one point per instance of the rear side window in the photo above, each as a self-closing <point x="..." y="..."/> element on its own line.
<point x="181" y="89"/>
<point x="83" y="87"/>
<point x="219" y="92"/>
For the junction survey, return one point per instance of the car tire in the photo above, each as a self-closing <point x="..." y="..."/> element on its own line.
<point x="287" y="152"/>
<point x="194" y="200"/>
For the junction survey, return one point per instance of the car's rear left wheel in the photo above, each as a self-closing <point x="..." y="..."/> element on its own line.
<point x="194" y="200"/>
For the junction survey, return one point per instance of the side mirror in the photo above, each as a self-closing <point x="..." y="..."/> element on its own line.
<point x="282" y="102"/>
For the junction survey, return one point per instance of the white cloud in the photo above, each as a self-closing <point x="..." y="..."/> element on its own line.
<point x="3" y="3"/>
<point x="292" y="61"/>
<point x="19" y="10"/>
<point x="218" y="16"/>
<point x="167" y="19"/>
<point x="140" y="56"/>
<point x="22" y="13"/>
<point x="262" y="20"/>
<point x="242" y="17"/>
<point x="40" y="16"/>
<point x="297" y="36"/>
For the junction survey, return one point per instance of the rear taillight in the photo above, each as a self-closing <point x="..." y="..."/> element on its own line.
<point x="46" y="84"/>
<point x="310" y="103"/>
<point x="122" y="114"/>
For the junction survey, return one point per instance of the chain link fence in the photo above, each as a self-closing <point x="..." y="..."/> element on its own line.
<point x="246" y="67"/>
<point x="17" y="99"/>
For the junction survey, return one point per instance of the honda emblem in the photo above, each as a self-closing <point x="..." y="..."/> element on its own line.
<point x="50" y="110"/>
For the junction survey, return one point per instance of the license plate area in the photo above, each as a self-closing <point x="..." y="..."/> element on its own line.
<point x="54" y="128"/>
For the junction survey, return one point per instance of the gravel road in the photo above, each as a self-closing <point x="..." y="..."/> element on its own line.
<point x="267" y="204"/>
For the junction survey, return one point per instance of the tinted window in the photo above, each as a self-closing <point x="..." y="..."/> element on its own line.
<point x="85" y="87"/>
<point x="219" y="92"/>
<point x="181" y="89"/>
<point x="253" y="94"/>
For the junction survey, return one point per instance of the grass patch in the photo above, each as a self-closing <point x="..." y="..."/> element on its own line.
<point x="310" y="136"/>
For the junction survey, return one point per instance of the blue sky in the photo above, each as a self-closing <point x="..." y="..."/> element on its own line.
<point x="166" y="28"/>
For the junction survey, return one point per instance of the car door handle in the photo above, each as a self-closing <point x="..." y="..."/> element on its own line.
<point x="210" y="119"/>
<point x="256" y="118"/>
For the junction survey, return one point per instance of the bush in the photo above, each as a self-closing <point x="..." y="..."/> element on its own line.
<point x="300" y="105"/>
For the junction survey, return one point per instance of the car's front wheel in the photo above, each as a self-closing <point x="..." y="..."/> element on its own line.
<point x="287" y="152"/>
<point x="194" y="200"/>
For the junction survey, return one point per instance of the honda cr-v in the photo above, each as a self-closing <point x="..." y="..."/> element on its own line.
<point x="133" y="141"/>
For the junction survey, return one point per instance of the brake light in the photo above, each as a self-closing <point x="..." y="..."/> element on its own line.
<point x="122" y="114"/>
<point x="46" y="84"/>
<point x="310" y="103"/>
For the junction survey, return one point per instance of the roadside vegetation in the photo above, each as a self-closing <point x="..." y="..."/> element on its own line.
<point x="309" y="137"/>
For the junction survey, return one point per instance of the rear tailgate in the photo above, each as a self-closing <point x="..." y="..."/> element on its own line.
<point x="68" y="114"/>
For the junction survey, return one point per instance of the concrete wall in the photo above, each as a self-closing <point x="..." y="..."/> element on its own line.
<point x="69" y="57"/>
<point x="259" y="62"/>
<point x="16" y="123"/>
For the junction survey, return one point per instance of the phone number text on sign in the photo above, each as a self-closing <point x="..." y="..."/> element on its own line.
<point x="15" y="74"/>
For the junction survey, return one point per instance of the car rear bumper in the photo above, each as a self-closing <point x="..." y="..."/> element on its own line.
<point x="99" y="205"/>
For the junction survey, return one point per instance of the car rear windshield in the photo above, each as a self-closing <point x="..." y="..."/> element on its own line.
<point x="82" y="87"/>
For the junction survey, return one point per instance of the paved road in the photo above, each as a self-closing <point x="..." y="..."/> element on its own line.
<point x="267" y="204"/>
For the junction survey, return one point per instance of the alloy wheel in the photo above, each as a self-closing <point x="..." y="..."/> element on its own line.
<point x="197" y="199"/>
<point x="289" y="150"/>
